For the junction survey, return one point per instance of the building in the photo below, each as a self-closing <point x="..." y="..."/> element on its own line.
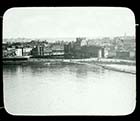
<point x="50" y="50"/>
<point x="19" y="52"/>
<point x="122" y="54"/>
<point x="92" y="51"/>
<point x="109" y="52"/>
<point x="106" y="52"/>
<point x="132" y="54"/>
<point x="83" y="52"/>
<point x="68" y="50"/>
<point x="26" y="51"/>
<point x="84" y="42"/>
<point x="81" y="49"/>
<point x="57" y="49"/>
<point x="9" y="52"/>
<point x="37" y="51"/>
<point x="47" y="51"/>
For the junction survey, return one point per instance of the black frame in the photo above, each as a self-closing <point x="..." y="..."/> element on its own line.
<point x="6" y="4"/>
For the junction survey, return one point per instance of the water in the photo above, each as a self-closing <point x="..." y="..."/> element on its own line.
<point x="67" y="90"/>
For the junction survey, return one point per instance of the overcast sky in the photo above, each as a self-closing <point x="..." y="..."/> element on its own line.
<point x="61" y="22"/>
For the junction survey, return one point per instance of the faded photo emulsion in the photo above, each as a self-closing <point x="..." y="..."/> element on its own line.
<point x="69" y="61"/>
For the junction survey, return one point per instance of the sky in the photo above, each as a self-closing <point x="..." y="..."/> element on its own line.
<point x="59" y="22"/>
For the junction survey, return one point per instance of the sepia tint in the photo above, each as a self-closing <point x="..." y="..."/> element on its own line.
<point x="69" y="61"/>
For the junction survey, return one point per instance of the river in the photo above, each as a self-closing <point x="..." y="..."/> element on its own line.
<point x="67" y="90"/>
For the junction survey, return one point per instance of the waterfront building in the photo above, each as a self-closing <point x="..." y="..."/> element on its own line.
<point x="26" y="51"/>
<point x="40" y="51"/>
<point x="68" y="50"/>
<point x="84" y="42"/>
<point x="4" y="46"/>
<point x="57" y="49"/>
<point x="47" y="51"/>
<point x="9" y="52"/>
<point x="36" y="51"/>
<point x="122" y="54"/>
<point x="132" y="54"/>
<point x="92" y="51"/>
<point x="19" y="52"/>
<point x="81" y="49"/>
<point x="50" y="50"/>
<point x="106" y="49"/>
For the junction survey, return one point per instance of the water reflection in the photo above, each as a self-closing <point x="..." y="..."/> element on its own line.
<point x="67" y="89"/>
<point x="81" y="72"/>
<point x="10" y="69"/>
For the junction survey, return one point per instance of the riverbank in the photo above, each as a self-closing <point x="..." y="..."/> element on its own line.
<point x="127" y="66"/>
<point x="68" y="61"/>
<point x="121" y="68"/>
<point x="106" y="61"/>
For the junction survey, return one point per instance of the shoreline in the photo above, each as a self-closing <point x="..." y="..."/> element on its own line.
<point x="114" y="67"/>
<point x="127" y="66"/>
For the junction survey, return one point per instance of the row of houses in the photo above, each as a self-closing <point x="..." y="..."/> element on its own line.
<point x="56" y="49"/>
<point x="81" y="48"/>
<point x="10" y="52"/>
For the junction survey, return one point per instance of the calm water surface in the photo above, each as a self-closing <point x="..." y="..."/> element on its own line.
<point x="67" y="90"/>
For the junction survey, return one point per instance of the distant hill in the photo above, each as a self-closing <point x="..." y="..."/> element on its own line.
<point x="37" y="39"/>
